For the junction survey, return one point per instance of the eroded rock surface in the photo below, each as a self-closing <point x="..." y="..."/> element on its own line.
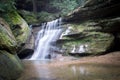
<point x="86" y="38"/>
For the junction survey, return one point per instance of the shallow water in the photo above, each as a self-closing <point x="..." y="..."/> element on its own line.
<point x="40" y="70"/>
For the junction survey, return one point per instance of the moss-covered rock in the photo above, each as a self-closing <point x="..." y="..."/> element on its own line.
<point x="96" y="43"/>
<point x="77" y="30"/>
<point x="7" y="40"/>
<point x="19" y="27"/>
<point x="84" y="38"/>
<point x="10" y="66"/>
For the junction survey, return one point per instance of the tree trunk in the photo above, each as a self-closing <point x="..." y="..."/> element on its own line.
<point x="34" y="6"/>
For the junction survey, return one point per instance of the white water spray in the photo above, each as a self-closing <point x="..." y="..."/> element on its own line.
<point x="50" y="32"/>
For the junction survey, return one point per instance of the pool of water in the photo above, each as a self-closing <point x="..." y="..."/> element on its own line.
<point x="40" y="70"/>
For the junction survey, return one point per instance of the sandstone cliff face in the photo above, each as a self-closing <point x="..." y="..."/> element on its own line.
<point x="86" y="39"/>
<point x="95" y="9"/>
<point x="14" y="32"/>
<point x="95" y="28"/>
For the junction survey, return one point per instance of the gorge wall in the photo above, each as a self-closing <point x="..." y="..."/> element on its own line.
<point x="14" y="32"/>
<point x="94" y="28"/>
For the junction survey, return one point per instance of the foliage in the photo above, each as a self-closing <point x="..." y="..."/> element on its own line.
<point x="71" y="4"/>
<point x="58" y="7"/>
<point x="81" y="2"/>
<point x="45" y="16"/>
<point x="30" y="17"/>
<point x="7" y="5"/>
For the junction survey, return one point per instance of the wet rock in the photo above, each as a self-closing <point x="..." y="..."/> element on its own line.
<point x="28" y="48"/>
<point x="10" y="66"/>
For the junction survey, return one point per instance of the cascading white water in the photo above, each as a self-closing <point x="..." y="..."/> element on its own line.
<point x="50" y="32"/>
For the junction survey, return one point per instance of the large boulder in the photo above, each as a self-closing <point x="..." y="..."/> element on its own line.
<point x="85" y="39"/>
<point x="19" y="27"/>
<point x="104" y="15"/>
<point x="20" y="41"/>
<point x="10" y="66"/>
<point x="7" y="39"/>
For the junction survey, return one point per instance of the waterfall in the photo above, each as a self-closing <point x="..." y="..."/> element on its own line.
<point x="74" y="48"/>
<point x="46" y="38"/>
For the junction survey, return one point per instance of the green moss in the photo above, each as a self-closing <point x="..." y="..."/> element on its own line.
<point x="85" y="27"/>
<point x="13" y="19"/>
<point x="7" y="40"/>
<point x="97" y="42"/>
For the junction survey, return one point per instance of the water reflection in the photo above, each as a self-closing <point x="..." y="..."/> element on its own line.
<point x="40" y="70"/>
<point x="82" y="70"/>
<point x="96" y="72"/>
<point x="73" y="70"/>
